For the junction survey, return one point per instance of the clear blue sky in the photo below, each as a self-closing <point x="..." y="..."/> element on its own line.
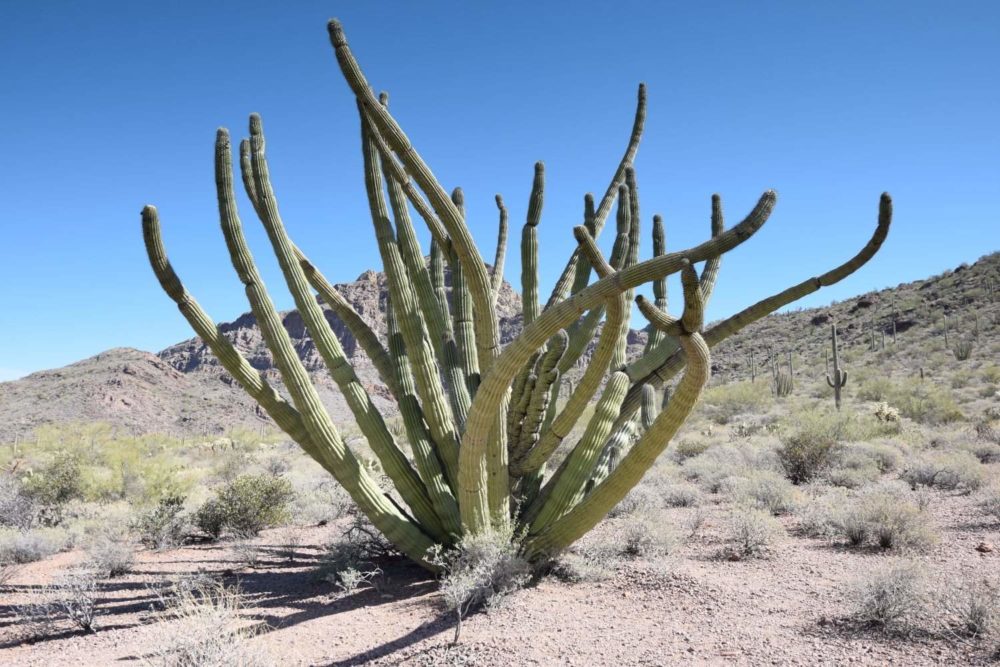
<point x="107" y="106"/>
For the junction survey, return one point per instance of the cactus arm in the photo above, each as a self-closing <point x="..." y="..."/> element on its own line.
<point x="562" y="490"/>
<point x="659" y="285"/>
<point x="370" y="421"/>
<point x="710" y="272"/>
<point x="663" y="369"/>
<point x="463" y="312"/>
<point x="424" y="366"/>
<point x="585" y="515"/>
<point x="496" y="384"/>
<point x="334" y="457"/>
<point x="615" y="329"/>
<point x="487" y="331"/>
<point x="366" y="337"/>
<point x="424" y="452"/>
<point x="496" y="278"/>
<point x="529" y="247"/>
<point x="601" y="214"/>
<point x="541" y="394"/>
<point x="398" y="175"/>
<point x="386" y="516"/>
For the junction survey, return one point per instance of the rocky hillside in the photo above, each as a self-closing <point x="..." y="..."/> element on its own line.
<point x="183" y="390"/>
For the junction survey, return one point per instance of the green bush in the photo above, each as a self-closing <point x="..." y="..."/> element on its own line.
<point x="55" y="484"/>
<point x="162" y="526"/>
<point x="805" y="454"/>
<point x="724" y="402"/>
<point x="948" y="471"/>
<point x="246" y="505"/>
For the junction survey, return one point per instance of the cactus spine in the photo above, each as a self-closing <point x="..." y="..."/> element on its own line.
<point x="839" y="377"/>
<point x="482" y="423"/>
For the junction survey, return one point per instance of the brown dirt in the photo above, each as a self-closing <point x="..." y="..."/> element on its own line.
<point x="689" y="608"/>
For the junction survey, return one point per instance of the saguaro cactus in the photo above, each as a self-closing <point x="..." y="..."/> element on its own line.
<point x="481" y="422"/>
<point x="839" y="378"/>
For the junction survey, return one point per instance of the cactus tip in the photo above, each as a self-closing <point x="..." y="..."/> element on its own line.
<point x="336" y="30"/>
<point x="255" y="124"/>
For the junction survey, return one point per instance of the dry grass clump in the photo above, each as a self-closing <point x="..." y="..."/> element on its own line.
<point x="762" y="489"/>
<point x="890" y="597"/>
<point x="646" y="536"/>
<point x="681" y="494"/>
<point x="205" y="625"/>
<point x="711" y="468"/>
<point x="969" y="607"/>
<point x="28" y="546"/>
<point x="990" y="503"/>
<point x="945" y="470"/>
<point x="480" y="571"/>
<point x="885" y="517"/>
<point x="109" y="557"/>
<point x="751" y="533"/>
<point x="642" y="497"/>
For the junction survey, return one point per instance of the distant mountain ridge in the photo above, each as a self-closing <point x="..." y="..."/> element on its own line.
<point x="183" y="389"/>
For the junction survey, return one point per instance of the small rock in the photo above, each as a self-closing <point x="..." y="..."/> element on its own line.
<point x="985" y="547"/>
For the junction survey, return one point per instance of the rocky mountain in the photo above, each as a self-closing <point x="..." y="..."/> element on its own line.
<point x="183" y="390"/>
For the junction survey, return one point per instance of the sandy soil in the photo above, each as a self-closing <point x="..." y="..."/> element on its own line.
<point x="689" y="608"/>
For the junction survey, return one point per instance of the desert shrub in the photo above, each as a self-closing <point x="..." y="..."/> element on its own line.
<point x="890" y="596"/>
<point x="876" y="388"/>
<point x="639" y="498"/>
<point x="207" y="628"/>
<point x="968" y="606"/>
<point x="681" y="494"/>
<point x="986" y="452"/>
<point x="991" y="374"/>
<point x="577" y="566"/>
<point x="20" y="547"/>
<point x="886" y="457"/>
<point x="886" y="519"/>
<point x="481" y="570"/>
<point x="723" y="402"/>
<point x="646" y="536"/>
<point x="164" y="525"/>
<point x="948" y="471"/>
<point x="17" y="508"/>
<point x="109" y="557"/>
<point x="53" y="485"/>
<point x="246" y="505"/>
<point x="247" y="552"/>
<point x="72" y="597"/>
<point x="819" y="514"/>
<point x="926" y="403"/>
<point x="761" y="489"/>
<point x="687" y="448"/>
<point x="805" y="454"/>
<point x="990" y="503"/>
<point x="751" y="533"/>
<point x="885" y="412"/>
<point x="713" y="467"/>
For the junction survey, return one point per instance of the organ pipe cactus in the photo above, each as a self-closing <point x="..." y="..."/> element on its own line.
<point x="839" y="377"/>
<point x="482" y="421"/>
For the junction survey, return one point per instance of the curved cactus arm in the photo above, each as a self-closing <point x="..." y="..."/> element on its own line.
<point x="463" y="312"/>
<point x="325" y="438"/>
<point x="496" y="278"/>
<point x="487" y="331"/>
<point x="370" y="421"/>
<point x="604" y="209"/>
<point x="662" y="369"/>
<point x="562" y="490"/>
<point x="595" y="506"/>
<point x="484" y="412"/>
<point x="366" y="337"/>
<point x="397" y="174"/>
<point x="424" y="367"/>
<point x="615" y="330"/>
<point x="424" y="452"/>
<point x="529" y="247"/>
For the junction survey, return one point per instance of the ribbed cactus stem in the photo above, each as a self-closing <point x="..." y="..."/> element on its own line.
<point x="839" y="377"/>
<point x="496" y="278"/>
<point x="529" y="247"/>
